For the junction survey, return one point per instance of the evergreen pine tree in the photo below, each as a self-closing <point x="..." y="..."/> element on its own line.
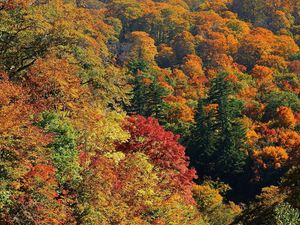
<point x="218" y="140"/>
<point x="147" y="98"/>
<point x="203" y="145"/>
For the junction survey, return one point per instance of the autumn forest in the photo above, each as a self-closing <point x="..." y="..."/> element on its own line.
<point x="149" y="112"/>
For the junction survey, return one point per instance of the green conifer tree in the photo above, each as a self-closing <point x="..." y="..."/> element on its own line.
<point x="218" y="141"/>
<point x="147" y="98"/>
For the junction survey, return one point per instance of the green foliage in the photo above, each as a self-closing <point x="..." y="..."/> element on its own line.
<point x="218" y="146"/>
<point x="4" y="199"/>
<point x="280" y="98"/>
<point x="273" y="15"/>
<point x="286" y="215"/>
<point x="64" y="148"/>
<point x="23" y="39"/>
<point x="148" y="94"/>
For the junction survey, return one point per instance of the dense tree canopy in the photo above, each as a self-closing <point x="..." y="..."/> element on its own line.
<point x="149" y="112"/>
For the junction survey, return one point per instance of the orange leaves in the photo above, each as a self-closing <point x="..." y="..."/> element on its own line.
<point x="56" y="84"/>
<point x="254" y="45"/>
<point x="13" y="109"/>
<point x="285" y="117"/>
<point x="45" y="175"/>
<point x="218" y="38"/>
<point x="73" y="61"/>
<point x="40" y="196"/>
<point x="158" y="222"/>
<point x="192" y="67"/>
<point x="141" y="47"/>
<point x="248" y="93"/>
<point x="15" y="113"/>
<point x="262" y="44"/>
<point x="211" y="108"/>
<point x="290" y="140"/>
<point x="270" y="157"/>
<point x="24" y="159"/>
<point x="207" y="21"/>
<point x="285" y="150"/>
<point x="215" y="50"/>
<point x="232" y="78"/>
<point x="269" y="160"/>
<point x="252" y="137"/>
<point x="284" y="46"/>
<point x="262" y="72"/>
<point x="163" y="20"/>
<point x="179" y="110"/>
<point x="43" y="172"/>
<point x="273" y="61"/>
<point x="264" y="78"/>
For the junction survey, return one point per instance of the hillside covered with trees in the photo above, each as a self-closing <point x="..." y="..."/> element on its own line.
<point x="150" y="112"/>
